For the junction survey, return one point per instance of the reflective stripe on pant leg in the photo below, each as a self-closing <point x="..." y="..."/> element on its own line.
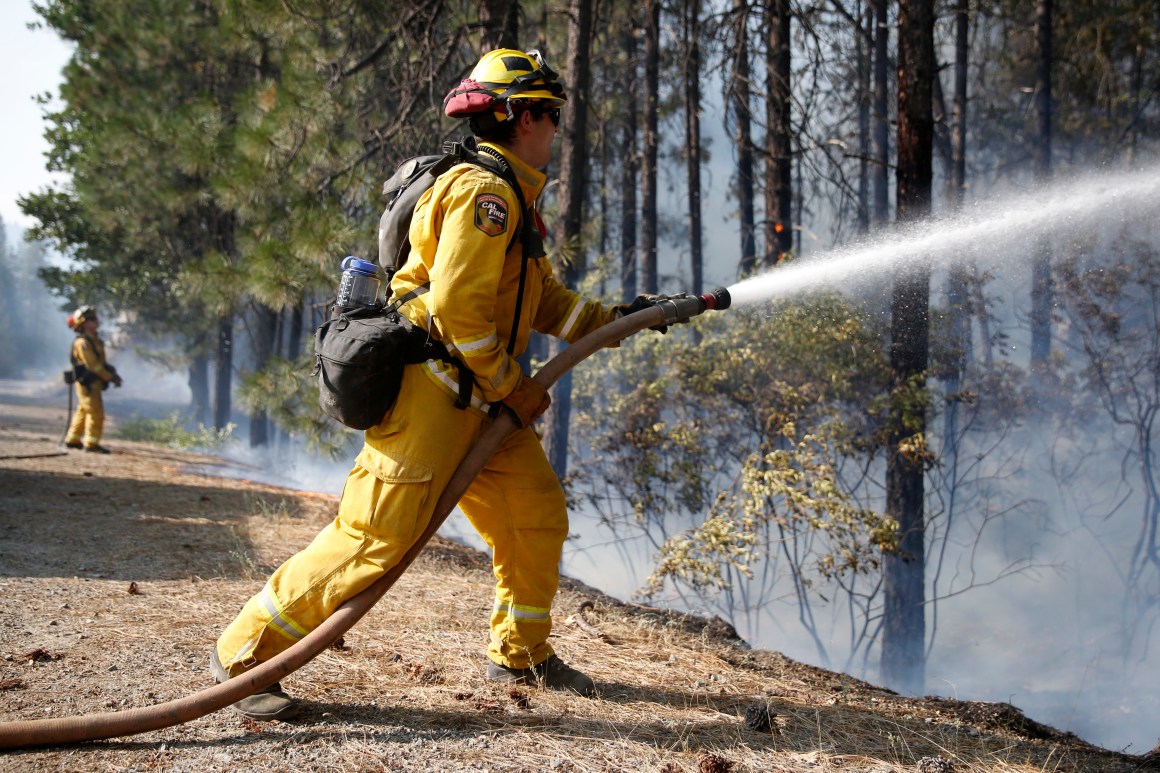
<point x="387" y="502"/>
<point x="518" y="507"/>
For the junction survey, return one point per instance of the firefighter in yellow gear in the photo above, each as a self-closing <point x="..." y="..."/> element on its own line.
<point x="92" y="375"/>
<point x="462" y="245"/>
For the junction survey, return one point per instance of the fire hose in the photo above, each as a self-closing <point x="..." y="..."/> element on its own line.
<point x="93" y="727"/>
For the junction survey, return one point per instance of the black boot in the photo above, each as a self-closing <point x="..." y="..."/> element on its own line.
<point x="553" y="673"/>
<point x="270" y="703"/>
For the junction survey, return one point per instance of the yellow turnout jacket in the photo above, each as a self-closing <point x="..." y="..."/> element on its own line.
<point x="90" y="352"/>
<point x="465" y="242"/>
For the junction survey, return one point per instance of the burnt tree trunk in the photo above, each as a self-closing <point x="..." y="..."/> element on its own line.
<point x="199" y="389"/>
<point x="499" y="22"/>
<point x="1135" y="91"/>
<point x="738" y="94"/>
<point x="648" y="171"/>
<point x="959" y="278"/>
<point x="573" y="180"/>
<point x="865" y="96"/>
<point x="265" y="331"/>
<point x="294" y="334"/>
<point x="880" y="212"/>
<point x="692" y="73"/>
<point x="903" y="624"/>
<point x="1041" y="282"/>
<point x="223" y="372"/>
<point x="778" y="235"/>
<point x="630" y="169"/>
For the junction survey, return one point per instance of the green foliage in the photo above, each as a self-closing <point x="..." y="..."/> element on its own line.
<point x="287" y="392"/>
<point x="227" y="152"/>
<point x="741" y="430"/>
<point x="171" y="432"/>
<point x="1103" y="99"/>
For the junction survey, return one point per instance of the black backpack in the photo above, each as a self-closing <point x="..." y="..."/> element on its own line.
<point x="406" y="186"/>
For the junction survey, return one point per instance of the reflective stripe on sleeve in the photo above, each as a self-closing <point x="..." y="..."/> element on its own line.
<point x="472" y="347"/>
<point x="447" y="378"/>
<point x="570" y="323"/>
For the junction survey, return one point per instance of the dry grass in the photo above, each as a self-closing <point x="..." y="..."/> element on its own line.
<point x="405" y="691"/>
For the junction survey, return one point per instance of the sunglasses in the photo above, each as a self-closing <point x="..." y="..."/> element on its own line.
<point x="552" y="112"/>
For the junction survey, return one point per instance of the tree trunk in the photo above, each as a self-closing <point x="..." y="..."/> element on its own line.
<point x="608" y="156"/>
<point x="265" y="330"/>
<point x="1041" y="282"/>
<point x="865" y="95"/>
<point x="573" y="158"/>
<point x="648" y="172"/>
<point x="199" y="389"/>
<point x="958" y="281"/>
<point x="223" y="372"/>
<point x="1136" y="88"/>
<point x="630" y="171"/>
<point x="880" y="214"/>
<point x="294" y="335"/>
<point x="692" y="68"/>
<point x="499" y="22"/>
<point x="903" y="625"/>
<point x="739" y="90"/>
<point x="779" y="157"/>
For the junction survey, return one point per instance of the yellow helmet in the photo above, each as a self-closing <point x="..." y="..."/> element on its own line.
<point x="80" y="316"/>
<point x="501" y="76"/>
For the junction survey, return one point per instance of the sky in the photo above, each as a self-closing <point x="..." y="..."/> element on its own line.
<point x="31" y="63"/>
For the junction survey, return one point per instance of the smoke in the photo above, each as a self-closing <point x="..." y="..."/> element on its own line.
<point x="1033" y="605"/>
<point x="1049" y="637"/>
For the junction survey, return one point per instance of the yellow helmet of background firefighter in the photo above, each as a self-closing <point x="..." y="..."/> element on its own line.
<point x="81" y="315"/>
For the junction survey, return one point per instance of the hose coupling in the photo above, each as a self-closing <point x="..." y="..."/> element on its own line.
<point x="680" y="308"/>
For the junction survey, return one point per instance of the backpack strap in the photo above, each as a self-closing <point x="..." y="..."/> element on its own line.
<point x="413" y="293"/>
<point x="532" y="241"/>
<point x="430" y="349"/>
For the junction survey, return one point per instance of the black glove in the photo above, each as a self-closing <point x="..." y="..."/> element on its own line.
<point x="642" y="302"/>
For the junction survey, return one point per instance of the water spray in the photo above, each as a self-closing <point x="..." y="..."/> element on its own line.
<point x="94" y="727"/>
<point x="1007" y="223"/>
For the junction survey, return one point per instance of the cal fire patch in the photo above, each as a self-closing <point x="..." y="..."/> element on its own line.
<point x="491" y="214"/>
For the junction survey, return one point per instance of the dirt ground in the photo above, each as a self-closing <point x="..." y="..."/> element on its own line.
<point x="117" y="572"/>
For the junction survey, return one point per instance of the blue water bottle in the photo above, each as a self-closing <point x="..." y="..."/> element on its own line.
<point x="359" y="287"/>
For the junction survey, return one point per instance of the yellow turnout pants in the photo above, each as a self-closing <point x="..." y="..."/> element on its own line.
<point x="516" y="504"/>
<point x="89" y="418"/>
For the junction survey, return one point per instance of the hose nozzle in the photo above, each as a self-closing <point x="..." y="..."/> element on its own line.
<point x="682" y="307"/>
<point x="718" y="299"/>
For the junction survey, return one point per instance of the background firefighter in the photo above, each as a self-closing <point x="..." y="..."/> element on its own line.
<point x="92" y="374"/>
<point x="463" y="247"/>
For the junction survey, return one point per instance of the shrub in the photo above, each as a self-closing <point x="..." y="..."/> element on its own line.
<point x="171" y="432"/>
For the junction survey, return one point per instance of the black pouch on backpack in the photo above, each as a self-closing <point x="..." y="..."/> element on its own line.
<point x="359" y="361"/>
<point x="359" y="357"/>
